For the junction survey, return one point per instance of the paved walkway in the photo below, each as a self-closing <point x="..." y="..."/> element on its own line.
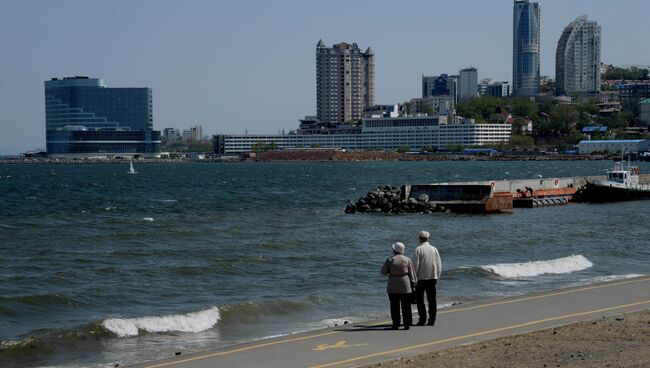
<point x="362" y="344"/>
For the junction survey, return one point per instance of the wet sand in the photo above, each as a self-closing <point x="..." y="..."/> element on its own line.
<point x="622" y="341"/>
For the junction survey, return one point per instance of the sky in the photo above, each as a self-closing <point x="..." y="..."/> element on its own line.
<point x="249" y="66"/>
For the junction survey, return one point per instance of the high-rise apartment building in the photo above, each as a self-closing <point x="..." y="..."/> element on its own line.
<point x="85" y="118"/>
<point x="345" y="81"/>
<point x="467" y="84"/>
<point x="577" y="60"/>
<point x="526" y="49"/>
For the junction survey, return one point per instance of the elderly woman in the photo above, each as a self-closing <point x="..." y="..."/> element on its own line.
<point x="401" y="281"/>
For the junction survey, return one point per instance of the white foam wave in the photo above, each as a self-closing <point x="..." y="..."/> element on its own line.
<point x="600" y="279"/>
<point x="188" y="322"/>
<point x="557" y="266"/>
<point x="150" y="219"/>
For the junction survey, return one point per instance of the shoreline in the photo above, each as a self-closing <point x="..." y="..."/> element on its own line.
<point x="619" y="342"/>
<point x="329" y="156"/>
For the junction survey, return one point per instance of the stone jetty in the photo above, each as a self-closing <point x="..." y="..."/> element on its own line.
<point x="390" y="200"/>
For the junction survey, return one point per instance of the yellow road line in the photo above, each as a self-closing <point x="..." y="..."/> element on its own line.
<point x="477" y="334"/>
<point x="241" y="349"/>
<point x="383" y="322"/>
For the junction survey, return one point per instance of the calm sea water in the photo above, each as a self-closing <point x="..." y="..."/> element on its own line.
<point x="99" y="267"/>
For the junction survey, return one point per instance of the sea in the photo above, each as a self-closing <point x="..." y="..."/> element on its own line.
<point x="99" y="267"/>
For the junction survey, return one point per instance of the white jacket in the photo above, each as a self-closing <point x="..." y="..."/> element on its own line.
<point x="427" y="262"/>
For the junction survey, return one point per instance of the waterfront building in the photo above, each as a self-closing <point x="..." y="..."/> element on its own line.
<point x="171" y="133"/>
<point x="85" y="118"/>
<point x="644" y="112"/>
<point x="192" y="134"/>
<point x="526" y="49"/>
<point x="467" y="84"/>
<point x="440" y="85"/>
<point x="345" y="82"/>
<point x="577" y="60"/>
<point x="614" y="146"/>
<point x="390" y="133"/>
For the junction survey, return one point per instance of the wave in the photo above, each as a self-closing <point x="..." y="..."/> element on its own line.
<point x="557" y="266"/>
<point x="149" y="219"/>
<point x="599" y="279"/>
<point x="189" y="322"/>
<point x="253" y="311"/>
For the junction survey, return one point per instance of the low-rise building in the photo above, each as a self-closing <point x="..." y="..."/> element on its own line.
<point x="171" y="133"/>
<point x="613" y="146"/>
<point x="192" y="134"/>
<point x="440" y="105"/>
<point x="499" y="89"/>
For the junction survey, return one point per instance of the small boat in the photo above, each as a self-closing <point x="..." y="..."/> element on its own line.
<point x="622" y="184"/>
<point x="131" y="169"/>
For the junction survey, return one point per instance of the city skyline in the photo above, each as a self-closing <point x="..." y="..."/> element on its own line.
<point x="232" y="69"/>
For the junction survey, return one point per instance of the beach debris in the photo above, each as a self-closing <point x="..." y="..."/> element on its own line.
<point x="177" y="353"/>
<point x="388" y="199"/>
<point x="620" y="318"/>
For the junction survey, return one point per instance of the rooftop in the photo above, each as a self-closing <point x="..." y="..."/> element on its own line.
<point x="614" y="141"/>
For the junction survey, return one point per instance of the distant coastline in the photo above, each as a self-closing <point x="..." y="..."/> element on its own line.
<point x="320" y="156"/>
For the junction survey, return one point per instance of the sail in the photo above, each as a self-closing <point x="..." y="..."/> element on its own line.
<point x="131" y="169"/>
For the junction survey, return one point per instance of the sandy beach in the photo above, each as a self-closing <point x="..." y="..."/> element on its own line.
<point x="621" y="341"/>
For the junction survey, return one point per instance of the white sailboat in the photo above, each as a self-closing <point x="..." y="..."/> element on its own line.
<point x="131" y="169"/>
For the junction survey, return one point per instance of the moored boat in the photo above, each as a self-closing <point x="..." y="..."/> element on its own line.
<point x="622" y="184"/>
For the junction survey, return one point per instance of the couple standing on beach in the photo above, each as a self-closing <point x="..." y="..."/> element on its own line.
<point x="406" y="277"/>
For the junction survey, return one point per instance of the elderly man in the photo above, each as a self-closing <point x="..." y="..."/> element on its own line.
<point x="427" y="266"/>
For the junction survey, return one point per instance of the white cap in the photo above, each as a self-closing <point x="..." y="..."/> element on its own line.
<point x="424" y="235"/>
<point x="399" y="247"/>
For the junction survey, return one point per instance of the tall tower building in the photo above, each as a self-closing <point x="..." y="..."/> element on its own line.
<point x="577" y="60"/>
<point x="467" y="84"/>
<point x="85" y="118"/>
<point x="525" y="49"/>
<point x="345" y="81"/>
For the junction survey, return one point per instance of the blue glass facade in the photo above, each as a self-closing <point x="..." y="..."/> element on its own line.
<point x="526" y="49"/>
<point x="84" y="117"/>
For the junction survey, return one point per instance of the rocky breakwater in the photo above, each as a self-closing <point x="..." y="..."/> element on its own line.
<point x="390" y="200"/>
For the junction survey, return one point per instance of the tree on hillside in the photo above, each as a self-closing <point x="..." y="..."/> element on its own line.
<point x="423" y="108"/>
<point x="524" y="108"/>
<point x="481" y="109"/>
<point x="634" y="73"/>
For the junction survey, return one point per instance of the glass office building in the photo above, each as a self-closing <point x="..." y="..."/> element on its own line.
<point x="525" y="49"/>
<point x="85" y="118"/>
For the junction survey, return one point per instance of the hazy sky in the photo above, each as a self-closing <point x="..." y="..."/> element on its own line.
<point x="237" y="65"/>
